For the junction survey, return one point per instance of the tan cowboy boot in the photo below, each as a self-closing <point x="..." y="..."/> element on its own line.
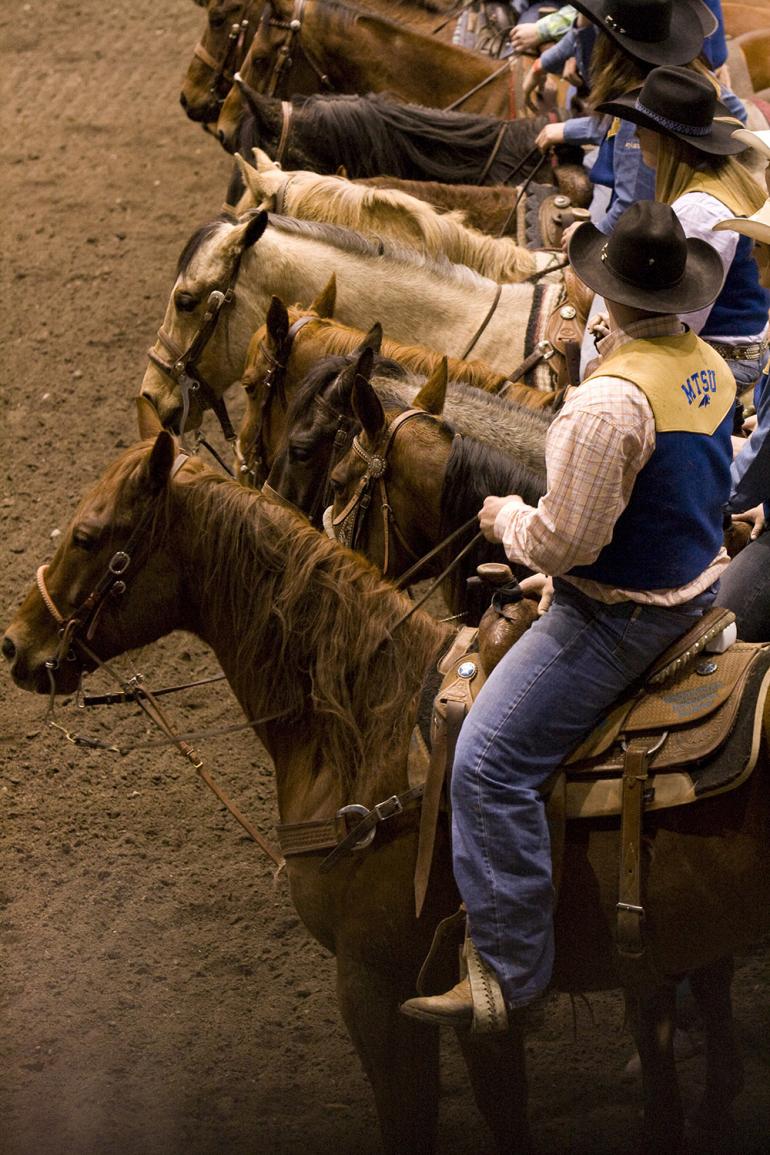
<point x="452" y="1009"/>
<point x="476" y="1000"/>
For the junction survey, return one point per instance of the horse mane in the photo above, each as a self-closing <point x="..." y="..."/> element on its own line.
<point x="475" y="470"/>
<point x="310" y="622"/>
<point x="371" y="134"/>
<point x="325" y="370"/>
<point x="314" y="196"/>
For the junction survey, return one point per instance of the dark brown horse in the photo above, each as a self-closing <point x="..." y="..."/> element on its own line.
<point x="371" y="135"/>
<point x="309" y="640"/>
<point x="308" y="46"/>
<point x="230" y="28"/>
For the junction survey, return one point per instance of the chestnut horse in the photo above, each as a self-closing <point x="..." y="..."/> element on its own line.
<point x="292" y="341"/>
<point x="341" y="49"/>
<point x="316" y="651"/>
<point x="230" y="269"/>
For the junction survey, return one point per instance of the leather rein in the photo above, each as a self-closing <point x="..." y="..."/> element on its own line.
<point x="284" y="54"/>
<point x="232" y="57"/>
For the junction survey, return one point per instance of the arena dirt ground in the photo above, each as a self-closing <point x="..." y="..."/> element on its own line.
<point x="159" y="994"/>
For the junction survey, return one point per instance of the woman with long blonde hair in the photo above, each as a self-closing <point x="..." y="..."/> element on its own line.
<point x="686" y="136"/>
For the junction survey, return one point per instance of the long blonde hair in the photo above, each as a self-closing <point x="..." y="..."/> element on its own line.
<point x="682" y="168"/>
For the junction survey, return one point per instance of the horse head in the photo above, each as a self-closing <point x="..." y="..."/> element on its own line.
<point x="196" y="357"/>
<point x="217" y="55"/>
<point x="381" y="506"/>
<point x="111" y="585"/>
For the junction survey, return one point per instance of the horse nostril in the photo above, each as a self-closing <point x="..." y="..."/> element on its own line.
<point x="183" y="100"/>
<point x="9" y="649"/>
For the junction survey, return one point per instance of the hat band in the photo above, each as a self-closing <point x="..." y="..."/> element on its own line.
<point x="604" y="255"/>
<point x="673" y="125"/>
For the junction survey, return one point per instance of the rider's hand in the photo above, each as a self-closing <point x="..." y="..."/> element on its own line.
<point x="525" y="37"/>
<point x="489" y="511"/>
<point x="534" y="79"/>
<point x="539" y="586"/>
<point x="753" y="517"/>
<point x="549" y="136"/>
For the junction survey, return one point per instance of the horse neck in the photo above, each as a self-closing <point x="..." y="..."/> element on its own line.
<point x="222" y="617"/>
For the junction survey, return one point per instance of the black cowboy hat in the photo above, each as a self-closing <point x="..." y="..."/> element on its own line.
<point x="678" y="102"/>
<point x="655" y="31"/>
<point x="647" y="261"/>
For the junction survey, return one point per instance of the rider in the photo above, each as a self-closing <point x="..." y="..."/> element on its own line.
<point x="638" y="471"/>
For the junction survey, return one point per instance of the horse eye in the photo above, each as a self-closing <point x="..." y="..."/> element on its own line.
<point x="83" y="540"/>
<point x="299" y="453"/>
<point x="185" y="302"/>
<point x="216" y="19"/>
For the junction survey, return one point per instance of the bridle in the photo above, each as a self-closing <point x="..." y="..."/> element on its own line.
<point x="232" y="57"/>
<point x="347" y="525"/>
<point x="284" y="57"/>
<point x="273" y="384"/>
<point x="182" y="367"/>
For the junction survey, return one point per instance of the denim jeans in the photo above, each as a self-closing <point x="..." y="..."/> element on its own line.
<point x="744" y="588"/>
<point x="543" y="698"/>
<point x="746" y="372"/>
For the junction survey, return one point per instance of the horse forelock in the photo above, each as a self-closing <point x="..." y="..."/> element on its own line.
<point x="198" y="239"/>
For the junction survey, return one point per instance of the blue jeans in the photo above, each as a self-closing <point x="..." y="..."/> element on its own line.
<point x="744" y="588"/>
<point x="543" y="698"/>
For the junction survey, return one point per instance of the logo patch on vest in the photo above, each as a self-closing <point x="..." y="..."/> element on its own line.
<point x="700" y="384"/>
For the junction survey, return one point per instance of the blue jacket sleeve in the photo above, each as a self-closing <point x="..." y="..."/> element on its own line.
<point x="715" y="45"/>
<point x="555" y="57"/>
<point x="750" y="471"/>
<point x="633" y="180"/>
<point x="734" y="104"/>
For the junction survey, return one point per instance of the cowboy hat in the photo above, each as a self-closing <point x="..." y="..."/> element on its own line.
<point x="757" y="227"/>
<point x="678" y="102"/>
<point x="654" y="31"/>
<point x="647" y="261"/>
<point x="756" y="140"/>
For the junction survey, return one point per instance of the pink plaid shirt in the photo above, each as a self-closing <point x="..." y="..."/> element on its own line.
<point x="596" y="446"/>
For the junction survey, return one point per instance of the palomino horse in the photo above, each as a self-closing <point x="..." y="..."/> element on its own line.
<point x="294" y="342"/>
<point x="388" y="213"/>
<point x="230" y="269"/>
<point x="323" y="663"/>
<point x="308" y="46"/>
<point x="371" y="135"/>
<point x="490" y="447"/>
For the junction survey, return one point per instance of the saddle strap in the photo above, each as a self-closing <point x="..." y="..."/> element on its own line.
<point x="441" y="758"/>
<point x="630" y="912"/>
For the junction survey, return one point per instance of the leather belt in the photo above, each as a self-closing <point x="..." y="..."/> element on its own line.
<point x="739" y="352"/>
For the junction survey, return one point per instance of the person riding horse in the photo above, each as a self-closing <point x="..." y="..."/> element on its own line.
<point x="638" y="472"/>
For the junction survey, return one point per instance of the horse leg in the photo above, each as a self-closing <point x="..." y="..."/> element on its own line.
<point x="498" y="1073"/>
<point x="399" y="1057"/>
<point x="712" y="1122"/>
<point x="653" y="1021"/>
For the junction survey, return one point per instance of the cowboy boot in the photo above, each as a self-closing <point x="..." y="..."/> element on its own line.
<point x="475" y="1001"/>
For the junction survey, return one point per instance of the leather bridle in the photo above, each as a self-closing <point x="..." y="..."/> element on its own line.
<point x="273" y="384"/>
<point x="232" y="57"/>
<point x="348" y="523"/>
<point x="284" y="56"/>
<point x="182" y="366"/>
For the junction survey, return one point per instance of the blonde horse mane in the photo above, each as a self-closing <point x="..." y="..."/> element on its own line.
<point x="309" y="622"/>
<point x="390" y="212"/>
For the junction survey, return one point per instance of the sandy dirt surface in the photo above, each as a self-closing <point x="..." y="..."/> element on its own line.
<point x="158" y="993"/>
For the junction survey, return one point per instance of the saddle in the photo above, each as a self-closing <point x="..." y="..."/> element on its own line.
<point x="693" y="730"/>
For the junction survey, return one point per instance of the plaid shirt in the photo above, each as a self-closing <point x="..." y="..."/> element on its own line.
<point x="596" y="446"/>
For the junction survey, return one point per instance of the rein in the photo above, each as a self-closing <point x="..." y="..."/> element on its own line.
<point x="484" y="323"/>
<point x="232" y="57"/>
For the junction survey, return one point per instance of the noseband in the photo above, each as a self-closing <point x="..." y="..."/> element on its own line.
<point x="182" y="367"/>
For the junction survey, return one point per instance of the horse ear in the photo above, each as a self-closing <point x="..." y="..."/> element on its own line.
<point x="158" y="467"/>
<point x="372" y="340"/>
<point x="263" y="162"/>
<point x="342" y="171"/>
<point x="277" y="322"/>
<point x="254" y="229"/>
<point x="249" y="176"/>
<point x="432" y="396"/>
<point x="148" y="418"/>
<point x="366" y="405"/>
<point x="324" y="303"/>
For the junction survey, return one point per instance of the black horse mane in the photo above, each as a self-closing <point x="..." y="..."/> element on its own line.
<point x="324" y="371"/>
<point x="370" y="135"/>
<point x="473" y="471"/>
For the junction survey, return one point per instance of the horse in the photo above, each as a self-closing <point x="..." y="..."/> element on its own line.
<point x="292" y="343"/>
<point x="227" y="37"/>
<point x="230" y="269"/>
<point x="219" y="53"/>
<point x="327" y="670"/>
<point x="371" y="135"/>
<point x="389" y="213"/>
<point x="308" y="46"/>
<point x="394" y="519"/>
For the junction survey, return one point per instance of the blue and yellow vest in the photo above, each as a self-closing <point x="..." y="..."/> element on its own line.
<point x="671" y="528"/>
